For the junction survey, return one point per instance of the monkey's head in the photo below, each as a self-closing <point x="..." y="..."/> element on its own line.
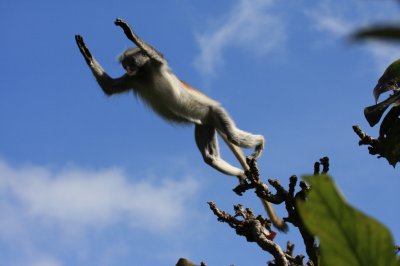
<point x="132" y="60"/>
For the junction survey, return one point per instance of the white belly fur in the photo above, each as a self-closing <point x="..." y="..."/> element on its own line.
<point x="168" y="97"/>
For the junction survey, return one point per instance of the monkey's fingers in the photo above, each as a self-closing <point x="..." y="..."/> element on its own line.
<point x="127" y="29"/>
<point x="87" y="55"/>
<point x="121" y="23"/>
<point x="83" y="49"/>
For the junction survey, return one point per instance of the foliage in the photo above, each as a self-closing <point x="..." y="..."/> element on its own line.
<point x="380" y="32"/>
<point x="319" y="211"/>
<point x="347" y="236"/>
<point x="387" y="145"/>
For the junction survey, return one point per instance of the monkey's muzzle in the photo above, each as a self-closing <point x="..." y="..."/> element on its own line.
<point x="131" y="71"/>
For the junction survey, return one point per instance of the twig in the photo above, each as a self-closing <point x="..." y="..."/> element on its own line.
<point x="365" y="138"/>
<point x="254" y="229"/>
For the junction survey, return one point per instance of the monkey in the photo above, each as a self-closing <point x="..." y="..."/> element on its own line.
<point x="150" y="78"/>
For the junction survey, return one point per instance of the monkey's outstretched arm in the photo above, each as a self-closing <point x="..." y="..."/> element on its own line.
<point x="148" y="49"/>
<point x="108" y="84"/>
<point x="276" y="221"/>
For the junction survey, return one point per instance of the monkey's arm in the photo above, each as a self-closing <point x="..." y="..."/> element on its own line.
<point x="148" y="49"/>
<point x="108" y="84"/>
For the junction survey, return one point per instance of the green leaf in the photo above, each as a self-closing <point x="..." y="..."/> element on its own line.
<point x="184" y="262"/>
<point x="347" y="236"/>
<point x="388" y="145"/>
<point x="382" y="32"/>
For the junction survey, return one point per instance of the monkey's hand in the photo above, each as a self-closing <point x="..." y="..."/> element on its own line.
<point x="84" y="50"/>
<point x="146" y="48"/>
<point x="130" y="34"/>
<point x="125" y="27"/>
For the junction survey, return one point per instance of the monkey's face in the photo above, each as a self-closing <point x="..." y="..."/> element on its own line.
<point x="132" y="60"/>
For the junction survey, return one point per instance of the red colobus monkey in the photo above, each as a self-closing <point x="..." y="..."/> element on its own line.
<point x="149" y="76"/>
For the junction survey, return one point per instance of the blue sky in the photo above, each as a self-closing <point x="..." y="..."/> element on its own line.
<point x="91" y="180"/>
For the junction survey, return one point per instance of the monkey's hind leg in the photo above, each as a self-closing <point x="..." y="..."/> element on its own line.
<point x="207" y="142"/>
<point x="226" y="125"/>
<point x="236" y="151"/>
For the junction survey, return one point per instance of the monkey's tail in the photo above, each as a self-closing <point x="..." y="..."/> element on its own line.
<point x="236" y="151"/>
<point x="276" y="221"/>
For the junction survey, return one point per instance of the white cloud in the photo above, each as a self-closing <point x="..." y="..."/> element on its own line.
<point x="383" y="53"/>
<point x="47" y="214"/>
<point x="249" y="25"/>
<point x="48" y="261"/>
<point x="340" y="19"/>
<point x="79" y="197"/>
<point x="336" y="26"/>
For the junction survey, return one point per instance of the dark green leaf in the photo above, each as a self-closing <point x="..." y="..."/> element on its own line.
<point x="379" y="32"/>
<point x="389" y="139"/>
<point x="184" y="262"/>
<point x="347" y="236"/>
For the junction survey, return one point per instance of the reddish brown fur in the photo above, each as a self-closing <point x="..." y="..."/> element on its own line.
<point x="188" y="87"/>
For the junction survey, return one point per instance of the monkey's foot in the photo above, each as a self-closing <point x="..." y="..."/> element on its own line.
<point x="242" y="179"/>
<point x="257" y="153"/>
